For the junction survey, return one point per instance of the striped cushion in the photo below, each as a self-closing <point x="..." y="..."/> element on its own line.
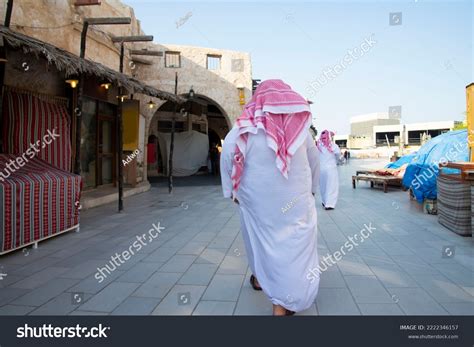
<point x="455" y="205"/>
<point x="36" y="201"/>
<point x="27" y="119"/>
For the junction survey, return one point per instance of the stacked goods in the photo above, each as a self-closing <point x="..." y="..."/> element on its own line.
<point x="455" y="205"/>
<point x="423" y="169"/>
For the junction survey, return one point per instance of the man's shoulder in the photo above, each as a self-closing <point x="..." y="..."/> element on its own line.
<point x="231" y="136"/>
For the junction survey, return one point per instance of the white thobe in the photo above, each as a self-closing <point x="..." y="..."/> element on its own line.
<point x="329" y="181"/>
<point x="278" y="218"/>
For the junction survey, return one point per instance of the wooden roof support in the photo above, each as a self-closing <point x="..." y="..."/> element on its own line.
<point x="146" y="52"/>
<point x="140" y="38"/>
<point x="142" y="61"/>
<point x="108" y="20"/>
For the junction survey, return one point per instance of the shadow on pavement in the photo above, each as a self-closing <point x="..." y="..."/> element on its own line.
<point x="189" y="181"/>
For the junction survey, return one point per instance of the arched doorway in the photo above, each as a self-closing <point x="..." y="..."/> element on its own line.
<point x="199" y="125"/>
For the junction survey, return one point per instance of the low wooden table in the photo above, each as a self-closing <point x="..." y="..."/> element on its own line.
<point x="372" y="178"/>
<point x="466" y="171"/>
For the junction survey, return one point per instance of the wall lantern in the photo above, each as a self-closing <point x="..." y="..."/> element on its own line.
<point x="191" y="93"/>
<point x="122" y="97"/>
<point x="151" y="104"/>
<point x="72" y="82"/>
<point x="106" y="85"/>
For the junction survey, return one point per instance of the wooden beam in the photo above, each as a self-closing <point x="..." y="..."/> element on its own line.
<point x="146" y="52"/>
<point x="132" y="38"/>
<point x="142" y="61"/>
<point x="86" y="2"/>
<point x="108" y="20"/>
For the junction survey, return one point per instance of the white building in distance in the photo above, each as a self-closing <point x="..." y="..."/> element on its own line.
<point x="413" y="134"/>
<point x="379" y="130"/>
<point x="362" y="127"/>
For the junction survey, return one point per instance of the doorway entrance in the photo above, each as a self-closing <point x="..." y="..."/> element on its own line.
<point x="98" y="159"/>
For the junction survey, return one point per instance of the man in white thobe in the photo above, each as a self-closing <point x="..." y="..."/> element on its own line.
<point x="329" y="180"/>
<point x="277" y="213"/>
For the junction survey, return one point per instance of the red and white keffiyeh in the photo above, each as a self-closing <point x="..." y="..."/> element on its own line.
<point x="325" y="140"/>
<point x="283" y="114"/>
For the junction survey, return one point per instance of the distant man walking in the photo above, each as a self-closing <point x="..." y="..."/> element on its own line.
<point x="329" y="182"/>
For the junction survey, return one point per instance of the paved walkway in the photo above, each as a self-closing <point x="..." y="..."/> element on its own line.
<point x="410" y="265"/>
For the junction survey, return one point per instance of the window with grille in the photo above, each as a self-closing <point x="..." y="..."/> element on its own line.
<point x="213" y="62"/>
<point x="172" y="59"/>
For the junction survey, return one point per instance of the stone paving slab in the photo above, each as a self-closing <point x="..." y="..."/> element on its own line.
<point x="197" y="265"/>
<point x="110" y="297"/>
<point x="181" y="300"/>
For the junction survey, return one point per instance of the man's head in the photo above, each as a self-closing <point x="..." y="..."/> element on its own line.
<point x="325" y="139"/>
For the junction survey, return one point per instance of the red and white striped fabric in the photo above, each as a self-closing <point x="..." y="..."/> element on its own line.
<point x="283" y="114"/>
<point x="27" y="119"/>
<point x="37" y="201"/>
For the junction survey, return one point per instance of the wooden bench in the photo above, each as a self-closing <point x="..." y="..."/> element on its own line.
<point x="373" y="179"/>
<point x="466" y="171"/>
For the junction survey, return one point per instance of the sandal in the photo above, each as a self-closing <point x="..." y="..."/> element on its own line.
<point x="253" y="283"/>
<point x="289" y="313"/>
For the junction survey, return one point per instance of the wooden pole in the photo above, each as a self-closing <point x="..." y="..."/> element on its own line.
<point x="123" y="39"/>
<point x="173" y="122"/>
<point x="80" y="94"/>
<point x="120" y="136"/>
<point x="78" y="110"/>
<point x="8" y="13"/>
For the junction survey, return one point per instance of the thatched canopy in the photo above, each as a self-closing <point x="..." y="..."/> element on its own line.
<point x="71" y="65"/>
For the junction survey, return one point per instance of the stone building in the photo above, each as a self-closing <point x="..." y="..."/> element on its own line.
<point x="220" y="79"/>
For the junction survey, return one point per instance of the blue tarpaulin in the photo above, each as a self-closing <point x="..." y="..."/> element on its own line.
<point x="422" y="172"/>
<point x="406" y="159"/>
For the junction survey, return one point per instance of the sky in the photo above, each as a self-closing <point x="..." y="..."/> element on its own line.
<point x="422" y="63"/>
